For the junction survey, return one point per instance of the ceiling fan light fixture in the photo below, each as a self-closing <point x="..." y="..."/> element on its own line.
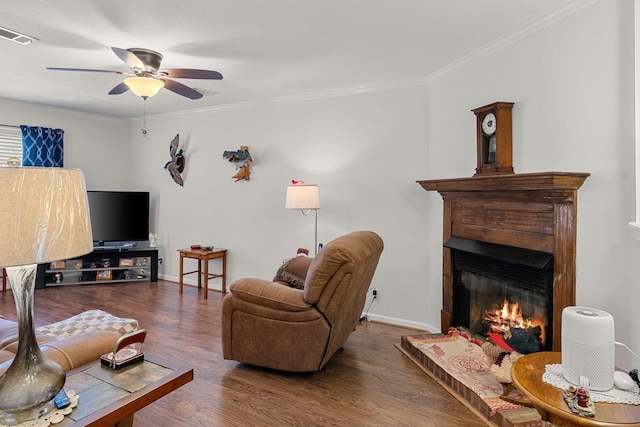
<point x="144" y="87"/>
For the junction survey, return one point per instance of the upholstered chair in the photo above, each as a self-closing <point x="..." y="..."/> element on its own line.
<point x="270" y="324"/>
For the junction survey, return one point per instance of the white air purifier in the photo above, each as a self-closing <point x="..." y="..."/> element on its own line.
<point x="588" y="347"/>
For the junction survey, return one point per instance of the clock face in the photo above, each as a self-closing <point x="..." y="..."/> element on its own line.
<point x="489" y="124"/>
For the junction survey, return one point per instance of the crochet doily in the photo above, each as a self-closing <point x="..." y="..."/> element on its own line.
<point x="53" y="417"/>
<point x="553" y="375"/>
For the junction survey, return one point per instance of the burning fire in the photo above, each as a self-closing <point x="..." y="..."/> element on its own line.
<point x="510" y="316"/>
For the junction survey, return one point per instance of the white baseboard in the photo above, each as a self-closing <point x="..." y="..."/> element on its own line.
<point x="372" y="316"/>
<point x="403" y="322"/>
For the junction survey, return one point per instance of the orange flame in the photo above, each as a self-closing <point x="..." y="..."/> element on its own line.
<point x="510" y="316"/>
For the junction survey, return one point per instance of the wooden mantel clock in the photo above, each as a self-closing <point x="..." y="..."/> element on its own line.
<point x="494" y="139"/>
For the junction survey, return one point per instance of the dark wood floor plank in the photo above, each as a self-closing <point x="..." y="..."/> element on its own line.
<point x="369" y="382"/>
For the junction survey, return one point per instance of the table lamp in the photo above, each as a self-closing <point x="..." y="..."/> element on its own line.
<point x="305" y="198"/>
<point x="44" y="217"/>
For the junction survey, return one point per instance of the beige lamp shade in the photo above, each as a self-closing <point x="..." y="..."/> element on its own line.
<point x="303" y="197"/>
<point x="44" y="215"/>
<point x="144" y="87"/>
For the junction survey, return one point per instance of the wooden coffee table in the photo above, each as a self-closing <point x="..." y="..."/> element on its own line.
<point x="526" y="375"/>
<point x="110" y="398"/>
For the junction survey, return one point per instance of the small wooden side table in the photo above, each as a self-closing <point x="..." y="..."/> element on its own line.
<point x="526" y="375"/>
<point x="204" y="256"/>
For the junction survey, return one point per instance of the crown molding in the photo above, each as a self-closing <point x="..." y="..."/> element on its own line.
<point x="511" y="38"/>
<point x="289" y="99"/>
<point x="483" y="52"/>
<point x="33" y="106"/>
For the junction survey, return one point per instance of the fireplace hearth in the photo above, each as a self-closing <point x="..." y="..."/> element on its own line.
<point x="530" y="216"/>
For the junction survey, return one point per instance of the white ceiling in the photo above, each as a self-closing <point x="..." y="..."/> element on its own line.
<point x="265" y="49"/>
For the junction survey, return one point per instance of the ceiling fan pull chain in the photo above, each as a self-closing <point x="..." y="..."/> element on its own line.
<point x="144" y="120"/>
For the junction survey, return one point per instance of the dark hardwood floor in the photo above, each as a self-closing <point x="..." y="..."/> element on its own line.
<point x="369" y="383"/>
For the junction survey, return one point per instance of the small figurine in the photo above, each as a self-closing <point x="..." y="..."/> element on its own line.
<point x="582" y="398"/>
<point x="578" y="401"/>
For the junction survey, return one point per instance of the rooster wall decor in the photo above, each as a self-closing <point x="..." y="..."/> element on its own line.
<point x="175" y="166"/>
<point x="241" y="159"/>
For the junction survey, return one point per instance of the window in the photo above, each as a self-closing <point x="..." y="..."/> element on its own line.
<point x="10" y="144"/>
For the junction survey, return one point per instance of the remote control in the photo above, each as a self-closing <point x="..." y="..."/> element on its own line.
<point x="62" y="400"/>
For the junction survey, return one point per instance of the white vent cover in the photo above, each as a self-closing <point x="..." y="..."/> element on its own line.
<point x="13" y="36"/>
<point x="588" y="347"/>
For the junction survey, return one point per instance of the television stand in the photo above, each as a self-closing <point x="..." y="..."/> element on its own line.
<point x="106" y="264"/>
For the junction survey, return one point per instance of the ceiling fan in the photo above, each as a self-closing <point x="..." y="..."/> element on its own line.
<point x="145" y="76"/>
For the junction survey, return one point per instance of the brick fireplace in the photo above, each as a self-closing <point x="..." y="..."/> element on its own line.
<point x="535" y="214"/>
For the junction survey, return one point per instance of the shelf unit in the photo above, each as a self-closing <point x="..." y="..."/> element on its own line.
<point x="104" y="265"/>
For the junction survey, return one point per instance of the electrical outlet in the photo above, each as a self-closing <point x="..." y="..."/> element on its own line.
<point x="160" y="260"/>
<point x="374" y="292"/>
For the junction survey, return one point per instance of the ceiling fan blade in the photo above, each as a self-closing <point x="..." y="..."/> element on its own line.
<point x="84" y="70"/>
<point x="181" y="89"/>
<point x="129" y="58"/>
<point x="121" y="88"/>
<point x="191" y="73"/>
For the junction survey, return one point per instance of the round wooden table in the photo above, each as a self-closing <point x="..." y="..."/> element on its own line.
<point x="526" y="375"/>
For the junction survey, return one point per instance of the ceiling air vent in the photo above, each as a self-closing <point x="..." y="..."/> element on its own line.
<point x="8" y="34"/>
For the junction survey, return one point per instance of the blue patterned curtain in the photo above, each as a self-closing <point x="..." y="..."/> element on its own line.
<point x="42" y="146"/>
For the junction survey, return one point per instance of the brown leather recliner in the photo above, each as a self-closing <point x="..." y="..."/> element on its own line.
<point x="269" y="324"/>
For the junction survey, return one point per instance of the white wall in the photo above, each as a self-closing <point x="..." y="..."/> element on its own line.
<point x="365" y="151"/>
<point x="572" y="84"/>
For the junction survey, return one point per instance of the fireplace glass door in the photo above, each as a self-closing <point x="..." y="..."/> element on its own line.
<point x="493" y="295"/>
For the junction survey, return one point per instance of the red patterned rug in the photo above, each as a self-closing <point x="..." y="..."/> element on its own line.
<point x="457" y="361"/>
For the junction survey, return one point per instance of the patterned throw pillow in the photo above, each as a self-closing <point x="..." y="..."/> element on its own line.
<point x="293" y="272"/>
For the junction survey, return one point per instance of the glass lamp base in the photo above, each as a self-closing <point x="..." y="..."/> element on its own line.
<point x="32" y="381"/>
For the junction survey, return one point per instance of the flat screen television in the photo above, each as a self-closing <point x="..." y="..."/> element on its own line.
<point x="119" y="217"/>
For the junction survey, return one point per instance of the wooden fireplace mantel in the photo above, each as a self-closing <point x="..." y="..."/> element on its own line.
<point x="538" y="181"/>
<point x="535" y="211"/>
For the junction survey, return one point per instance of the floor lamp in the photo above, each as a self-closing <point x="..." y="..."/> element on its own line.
<point x="305" y="198"/>
<point x="44" y="217"/>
